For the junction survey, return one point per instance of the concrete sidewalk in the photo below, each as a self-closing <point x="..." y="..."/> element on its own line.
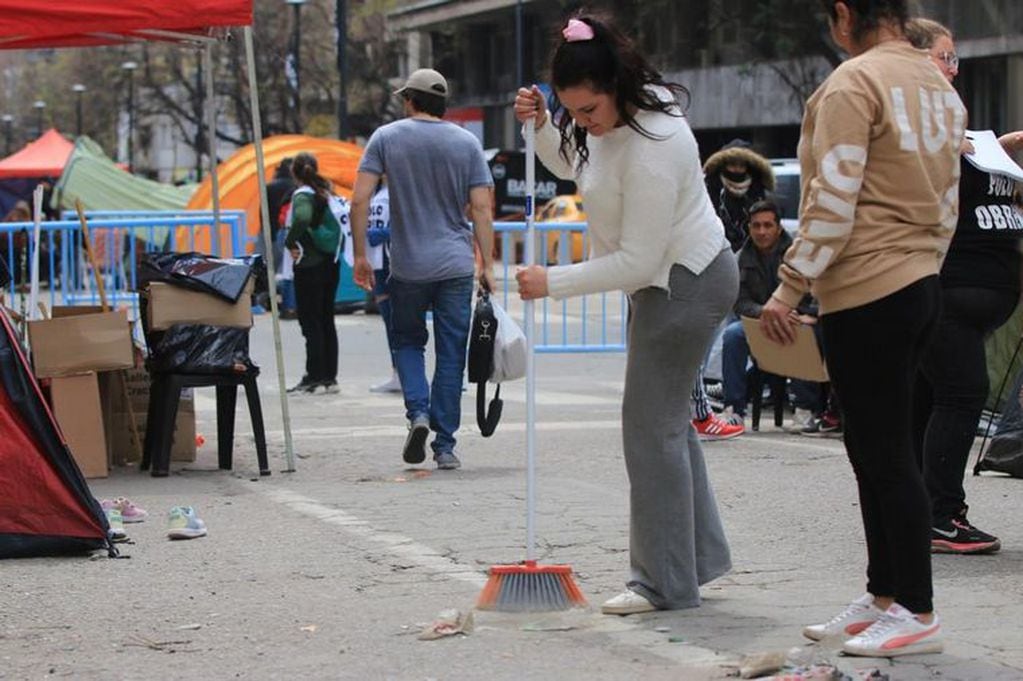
<point x="331" y="571"/>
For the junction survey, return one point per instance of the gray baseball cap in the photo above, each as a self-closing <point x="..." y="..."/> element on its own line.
<point x="426" y="80"/>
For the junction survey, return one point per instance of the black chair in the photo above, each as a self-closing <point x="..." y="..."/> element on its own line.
<point x="164" y="396"/>
<point x="757" y="380"/>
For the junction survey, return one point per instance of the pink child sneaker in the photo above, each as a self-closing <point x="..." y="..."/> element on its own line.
<point x="130" y="513"/>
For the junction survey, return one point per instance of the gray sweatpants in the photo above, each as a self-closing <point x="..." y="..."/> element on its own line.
<point x="676" y="538"/>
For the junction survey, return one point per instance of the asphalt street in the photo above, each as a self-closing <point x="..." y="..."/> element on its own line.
<point x="332" y="571"/>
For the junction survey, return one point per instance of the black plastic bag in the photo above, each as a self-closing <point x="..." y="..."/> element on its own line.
<point x="222" y="277"/>
<point x="199" y="349"/>
<point x="1005" y="453"/>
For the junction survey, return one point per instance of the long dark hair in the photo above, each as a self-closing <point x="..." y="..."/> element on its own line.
<point x="610" y="64"/>
<point x="870" y="14"/>
<point x="306" y="171"/>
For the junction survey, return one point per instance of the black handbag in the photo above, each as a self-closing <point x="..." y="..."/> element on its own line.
<point x="481" y="363"/>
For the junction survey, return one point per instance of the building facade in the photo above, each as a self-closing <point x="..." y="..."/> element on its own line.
<point x="749" y="64"/>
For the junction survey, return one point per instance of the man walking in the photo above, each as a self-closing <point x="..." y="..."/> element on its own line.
<point x="434" y="170"/>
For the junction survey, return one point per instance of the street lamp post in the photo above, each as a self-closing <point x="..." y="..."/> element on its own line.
<point x="8" y="120"/>
<point x="130" y="67"/>
<point x="294" y="72"/>
<point x="79" y="90"/>
<point x="343" y="131"/>
<point x="39" y="105"/>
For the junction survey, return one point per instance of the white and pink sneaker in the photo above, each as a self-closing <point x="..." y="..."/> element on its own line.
<point x="857" y="616"/>
<point x="898" y="632"/>
<point x="130" y="513"/>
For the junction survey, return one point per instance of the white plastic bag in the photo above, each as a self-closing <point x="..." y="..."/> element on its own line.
<point x="509" y="347"/>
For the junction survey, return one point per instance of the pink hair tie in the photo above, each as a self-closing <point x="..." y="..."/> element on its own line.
<point x="577" y="31"/>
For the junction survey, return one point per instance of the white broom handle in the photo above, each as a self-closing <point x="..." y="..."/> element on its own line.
<point x="37" y="217"/>
<point x="530" y="255"/>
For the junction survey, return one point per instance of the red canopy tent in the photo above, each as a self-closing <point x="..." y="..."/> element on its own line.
<point x="28" y="24"/>
<point x="44" y="157"/>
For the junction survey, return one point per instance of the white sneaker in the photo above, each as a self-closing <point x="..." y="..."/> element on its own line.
<point x="898" y="632"/>
<point x="627" y="603"/>
<point x="857" y="616"/>
<point x="731" y="418"/>
<point x="391" y="385"/>
<point x="801" y="419"/>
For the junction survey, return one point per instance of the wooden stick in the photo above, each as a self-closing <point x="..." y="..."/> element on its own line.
<point x="89" y="254"/>
<point x="122" y="377"/>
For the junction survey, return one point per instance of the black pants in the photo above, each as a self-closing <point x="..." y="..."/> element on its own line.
<point x="952" y="387"/>
<point x="872" y="354"/>
<point x="315" y="290"/>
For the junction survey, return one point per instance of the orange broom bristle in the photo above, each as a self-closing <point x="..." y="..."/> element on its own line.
<point x="529" y="587"/>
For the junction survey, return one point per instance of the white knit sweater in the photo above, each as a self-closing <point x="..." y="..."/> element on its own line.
<point x="646" y="205"/>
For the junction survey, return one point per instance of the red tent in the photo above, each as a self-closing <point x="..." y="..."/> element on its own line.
<point x="45" y="157"/>
<point x="26" y="24"/>
<point x="45" y="504"/>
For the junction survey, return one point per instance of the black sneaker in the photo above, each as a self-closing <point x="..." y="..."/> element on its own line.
<point x="825" y="425"/>
<point x="304" y="386"/>
<point x="959" y="536"/>
<point x="414" y="450"/>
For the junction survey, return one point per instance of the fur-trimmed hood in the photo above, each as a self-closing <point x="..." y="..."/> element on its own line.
<point x="760" y="167"/>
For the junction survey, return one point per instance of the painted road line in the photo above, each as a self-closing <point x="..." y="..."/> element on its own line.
<point x="394" y="543"/>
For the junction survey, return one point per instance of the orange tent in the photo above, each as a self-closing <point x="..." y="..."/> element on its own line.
<point x="44" y="157"/>
<point x="239" y="188"/>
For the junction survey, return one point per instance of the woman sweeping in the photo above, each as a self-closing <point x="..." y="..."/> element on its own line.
<point x="623" y="137"/>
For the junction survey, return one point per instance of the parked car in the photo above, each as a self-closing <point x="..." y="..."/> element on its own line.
<point x="564" y="208"/>
<point x="786" y="191"/>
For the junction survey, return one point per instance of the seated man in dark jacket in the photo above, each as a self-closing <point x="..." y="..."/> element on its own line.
<point x="759" y="258"/>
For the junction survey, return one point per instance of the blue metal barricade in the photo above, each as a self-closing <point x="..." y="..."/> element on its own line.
<point x="117" y="239"/>
<point x="592" y="323"/>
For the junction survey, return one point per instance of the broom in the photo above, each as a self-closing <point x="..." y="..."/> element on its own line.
<point x="529" y="586"/>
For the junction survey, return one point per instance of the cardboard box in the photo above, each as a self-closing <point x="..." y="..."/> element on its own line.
<point x="74" y="342"/>
<point x="119" y="438"/>
<point x="121" y="448"/>
<point x="76" y="406"/>
<point x="801" y="359"/>
<point x="169" y="305"/>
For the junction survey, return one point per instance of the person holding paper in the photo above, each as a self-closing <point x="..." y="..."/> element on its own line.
<point x="879" y="152"/>
<point x="980" y="282"/>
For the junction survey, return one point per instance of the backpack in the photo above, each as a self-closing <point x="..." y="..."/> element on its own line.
<point x="327" y="234"/>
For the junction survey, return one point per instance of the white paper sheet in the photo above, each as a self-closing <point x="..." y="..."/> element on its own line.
<point x="989" y="155"/>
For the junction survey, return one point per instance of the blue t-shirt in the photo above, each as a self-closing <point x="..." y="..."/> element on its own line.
<point x="430" y="167"/>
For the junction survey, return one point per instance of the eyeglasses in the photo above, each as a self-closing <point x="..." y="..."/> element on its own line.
<point x="951" y="59"/>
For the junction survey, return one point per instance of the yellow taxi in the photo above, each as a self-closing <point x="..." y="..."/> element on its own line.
<point x="564" y="208"/>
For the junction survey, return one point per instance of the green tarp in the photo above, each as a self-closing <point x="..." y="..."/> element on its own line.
<point x="100" y="185"/>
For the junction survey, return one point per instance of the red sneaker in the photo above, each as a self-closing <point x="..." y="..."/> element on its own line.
<point x="713" y="428"/>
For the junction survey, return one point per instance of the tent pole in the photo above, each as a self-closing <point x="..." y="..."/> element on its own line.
<point x="264" y="212"/>
<point x="211" y="141"/>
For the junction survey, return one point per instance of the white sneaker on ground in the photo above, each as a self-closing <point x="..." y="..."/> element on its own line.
<point x="801" y="419"/>
<point x="898" y="632"/>
<point x="857" y="616"/>
<point x="391" y="385"/>
<point x="627" y="603"/>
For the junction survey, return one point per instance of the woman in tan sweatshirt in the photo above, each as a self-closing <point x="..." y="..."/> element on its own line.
<point x="879" y="153"/>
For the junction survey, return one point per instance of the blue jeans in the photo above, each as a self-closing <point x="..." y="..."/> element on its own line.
<point x="451" y="302"/>
<point x="734" y="358"/>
